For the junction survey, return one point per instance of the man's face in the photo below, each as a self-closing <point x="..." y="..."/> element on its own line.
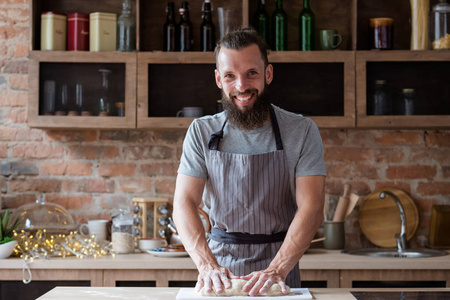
<point x="243" y="78"/>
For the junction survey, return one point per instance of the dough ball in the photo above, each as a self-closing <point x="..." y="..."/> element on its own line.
<point x="236" y="290"/>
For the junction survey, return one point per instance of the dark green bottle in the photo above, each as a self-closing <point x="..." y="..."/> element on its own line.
<point x="306" y="28"/>
<point x="261" y="21"/>
<point x="279" y="28"/>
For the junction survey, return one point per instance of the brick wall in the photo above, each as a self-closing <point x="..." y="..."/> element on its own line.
<point x="93" y="172"/>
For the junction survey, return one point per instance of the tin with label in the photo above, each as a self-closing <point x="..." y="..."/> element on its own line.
<point x="53" y="31"/>
<point x="102" y="31"/>
<point x="78" y="32"/>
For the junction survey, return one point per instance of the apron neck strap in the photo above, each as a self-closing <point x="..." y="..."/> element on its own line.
<point x="214" y="141"/>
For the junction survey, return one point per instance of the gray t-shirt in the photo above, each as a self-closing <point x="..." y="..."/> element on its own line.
<point x="300" y="136"/>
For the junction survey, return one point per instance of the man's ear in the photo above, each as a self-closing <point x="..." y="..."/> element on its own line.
<point x="269" y="73"/>
<point x="217" y="75"/>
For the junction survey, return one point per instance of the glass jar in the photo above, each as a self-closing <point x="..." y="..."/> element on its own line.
<point x="406" y="104"/>
<point x="378" y="103"/>
<point x="440" y="26"/>
<point x="122" y="234"/>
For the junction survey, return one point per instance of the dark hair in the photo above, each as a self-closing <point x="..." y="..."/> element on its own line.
<point x="239" y="39"/>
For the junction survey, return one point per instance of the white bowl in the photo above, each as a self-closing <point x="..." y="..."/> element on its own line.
<point x="7" y="249"/>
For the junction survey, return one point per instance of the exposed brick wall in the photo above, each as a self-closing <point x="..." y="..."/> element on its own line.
<point x="92" y="172"/>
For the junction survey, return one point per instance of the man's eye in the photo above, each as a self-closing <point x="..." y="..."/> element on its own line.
<point x="252" y="73"/>
<point x="228" y="75"/>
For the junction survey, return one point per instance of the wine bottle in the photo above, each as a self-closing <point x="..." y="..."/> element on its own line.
<point x="207" y="29"/>
<point x="306" y="28"/>
<point x="261" y="21"/>
<point x="170" y="28"/>
<point x="185" y="28"/>
<point x="279" y="28"/>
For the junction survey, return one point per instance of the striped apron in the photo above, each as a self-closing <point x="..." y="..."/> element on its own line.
<point x="251" y="206"/>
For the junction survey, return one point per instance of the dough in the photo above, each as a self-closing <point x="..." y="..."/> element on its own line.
<point x="236" y="290"/>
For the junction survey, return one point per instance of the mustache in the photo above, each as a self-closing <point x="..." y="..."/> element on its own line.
<point x="249" y="91"/>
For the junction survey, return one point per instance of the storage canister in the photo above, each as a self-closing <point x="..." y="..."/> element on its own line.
<point x="122" y="235"/>
<point x="102" y="31"/>
<point x="78" y="32"/>
<point x="53" y="31"/>
<point x="440" y="26"/>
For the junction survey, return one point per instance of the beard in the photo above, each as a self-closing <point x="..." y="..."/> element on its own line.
<point x="250" y="118"/>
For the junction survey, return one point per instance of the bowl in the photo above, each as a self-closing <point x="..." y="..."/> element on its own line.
<point x="7" y="249"/>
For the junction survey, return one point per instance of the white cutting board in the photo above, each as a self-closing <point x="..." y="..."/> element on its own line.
<point x="190" y="294"/>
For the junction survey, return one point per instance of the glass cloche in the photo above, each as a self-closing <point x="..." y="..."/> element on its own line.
<point x="52" y="218"/>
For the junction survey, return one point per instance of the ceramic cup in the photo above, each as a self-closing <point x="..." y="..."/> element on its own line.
<point x="330" y="39"/>
<point x="151" y="243"/>
<point x="190" y="112"/>
<point x="334" y="232"/>
<point x="97" y="228"/>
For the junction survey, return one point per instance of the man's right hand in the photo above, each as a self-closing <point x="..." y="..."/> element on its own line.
<point x="214" y="277"/>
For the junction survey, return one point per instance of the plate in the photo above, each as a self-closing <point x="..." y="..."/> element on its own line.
<point x="163" y="253"/>
<point x="380" y="218"/>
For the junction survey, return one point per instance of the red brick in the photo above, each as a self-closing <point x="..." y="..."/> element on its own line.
<point x="114" y="202"/>
<point x="433" y="188"/>
<point x="3" y="151"/>
<point x="138" y="185"/>
<point x="17" y="200"/>
<point x="401" y="185"/>
<point x="338" y="170"/>
<point x="71" y="136"/>
<point x="71" y="202"/>
<point x="92" y="152"/>
<point x="388" y="155"/>
<point x="129" y="136"/>
<point x="116" y="169"/>
<point x="169" y="136"/>
<point x="20" y="134"/>
<point x="67" y="168"/>
<point x="437" y="139"/>
<point x="16" y="116"/>
<point x="38" y="151"/>
<point x="446" y="171"/>
<point x="18" y="82"/>
<point x="14" y="100"/>
<point x="336" y="187"/>
<point x="333" y="137"/>
<point x="21" y="51"/>
<point x="35" y="185"/>
<point x="366" y="171"/>
<point x="160" y="169"/>
<point x="411" y="172"/>
<point x="400" y="138"/>
<point x="148" y="152"/>
<point x="165" y="187"/>
<point x="430" y="156"/>
<point x="347" y="154"/>
<point x="16" y="67"/>
<point x="88" y="186"/>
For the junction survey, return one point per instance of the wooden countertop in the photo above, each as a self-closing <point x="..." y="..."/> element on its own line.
<point x="315" y="259"/>
<point x="97" y="293"/>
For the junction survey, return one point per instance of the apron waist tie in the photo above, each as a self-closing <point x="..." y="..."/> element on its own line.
<point x="221" y="236"/>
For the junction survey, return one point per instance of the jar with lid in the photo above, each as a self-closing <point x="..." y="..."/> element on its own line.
<point x="122" y="234"/>
<point x="440" y="26"/>
<point x="379" y="101"/>
<point x="406" y="104"/>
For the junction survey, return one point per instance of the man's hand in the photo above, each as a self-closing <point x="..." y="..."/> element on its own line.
<point x="217" y="277"/>
<point x="261" y="281"/>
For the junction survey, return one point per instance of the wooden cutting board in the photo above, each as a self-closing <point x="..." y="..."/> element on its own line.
<point x="190" y="294"/>
<point x="380" y="218"/>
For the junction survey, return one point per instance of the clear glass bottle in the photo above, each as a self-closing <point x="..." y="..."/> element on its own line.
<point x="261" y="21"/>
<point x="306" y="27"/>
<point x="407" y="102"/>
<point x="440" y="26"/>
<point x="378" y="103"/>
<point x="170" y="29"/>
<point x="104" y="106"/>
<point x="122" y="234"/>
<point x="185" y="28"/>
<point x="279" y="28"/>
<point x="207" y="29"/>
<point x="126" y="29"/>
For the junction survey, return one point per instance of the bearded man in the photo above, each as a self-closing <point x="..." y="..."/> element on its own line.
<point x="258" y="169"/>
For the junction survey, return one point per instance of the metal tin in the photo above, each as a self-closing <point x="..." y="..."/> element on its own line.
<point x="53" y="31"/>
<point x="102" y="31"/>
<point x="78" y="32"/>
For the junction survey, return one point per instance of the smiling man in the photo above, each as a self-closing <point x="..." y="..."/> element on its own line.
<point x="258" y="169"/>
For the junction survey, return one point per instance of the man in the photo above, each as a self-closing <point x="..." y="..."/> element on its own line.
<point x="260" y="172"/>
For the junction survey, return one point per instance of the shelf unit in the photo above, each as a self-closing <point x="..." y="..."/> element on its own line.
<point x="328" y="86"/>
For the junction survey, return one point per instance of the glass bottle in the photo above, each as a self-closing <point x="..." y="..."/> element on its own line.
<point x="279" y="28"/>
<point x="440" y="26"/>
<point x="122" y="235"/>
<point x="170" y="28"/>
<point x="104" y="104"/>
<point x="406" y="104"/>
<point x="126" y="29"/>
<point x="207" y="29"/>
<point x="185" y="28"/>
<point x="261" y="21"/>
<point x="306" y="28"/>
<point x="378" y="100"/>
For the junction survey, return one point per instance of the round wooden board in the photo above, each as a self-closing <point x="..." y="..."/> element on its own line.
<point x="380" y="218"/>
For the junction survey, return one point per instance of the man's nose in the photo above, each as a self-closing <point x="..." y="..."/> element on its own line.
<point x="241" y="84"/>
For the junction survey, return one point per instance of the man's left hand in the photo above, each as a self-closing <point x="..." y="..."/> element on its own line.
<point x="261" y="281"/>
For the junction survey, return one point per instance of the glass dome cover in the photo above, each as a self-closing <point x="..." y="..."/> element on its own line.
<point x="51" y="217"/>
